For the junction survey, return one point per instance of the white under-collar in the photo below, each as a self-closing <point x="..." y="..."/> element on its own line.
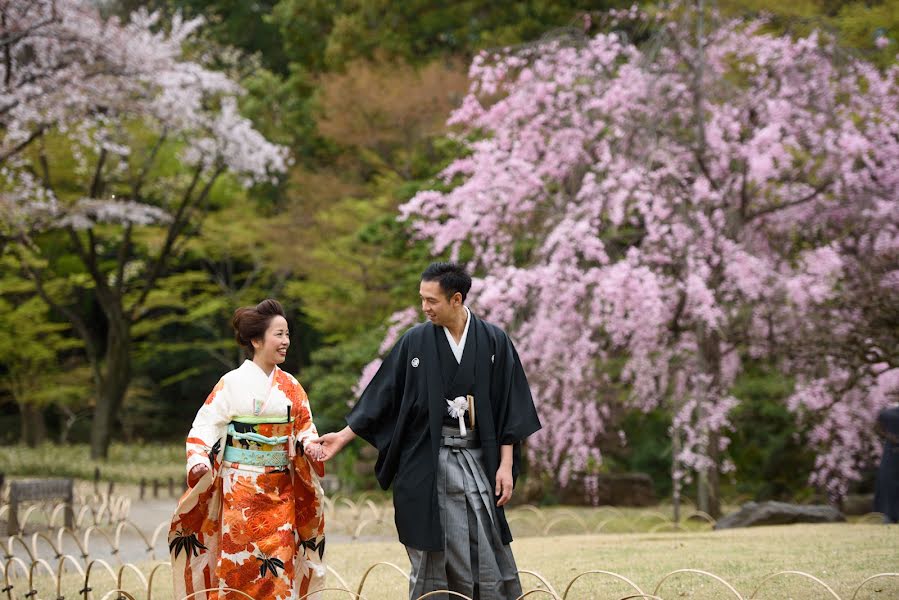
<point x="459" y="348"/>
<point x="253" y="366"/>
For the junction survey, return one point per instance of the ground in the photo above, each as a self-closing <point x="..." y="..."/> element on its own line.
<point x="557" y="543"/>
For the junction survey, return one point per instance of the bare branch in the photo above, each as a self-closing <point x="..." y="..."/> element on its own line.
<point x="791" y="203"/>
<point x="4" y="156"/>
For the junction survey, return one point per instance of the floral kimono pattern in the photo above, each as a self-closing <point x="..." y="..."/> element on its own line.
<point x="257" y="529"/>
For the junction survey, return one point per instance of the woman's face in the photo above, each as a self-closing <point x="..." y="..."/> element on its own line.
<point x="272" y="348"/>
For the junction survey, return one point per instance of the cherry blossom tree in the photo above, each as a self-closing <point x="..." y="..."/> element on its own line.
<point x="649" y="218"/>
<point x="112" y="144"/>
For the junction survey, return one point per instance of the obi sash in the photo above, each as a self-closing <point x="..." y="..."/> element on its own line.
<point x="258" y="441"/>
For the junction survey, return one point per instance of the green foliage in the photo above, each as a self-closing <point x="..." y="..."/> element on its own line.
<point x="331" y="377"/>
<point x="647" y="449"/>
<point x="767" y="449"/>
<point x="857" y="25"/>
<point x="330" y="35"/>
<point x="33" y="345"/>
<point x="127" y="463"/>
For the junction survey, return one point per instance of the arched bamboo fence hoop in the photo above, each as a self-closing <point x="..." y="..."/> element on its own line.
<point x="18" y="538"/>
<point x="164" y="526"/>
<point x="871" y="578"/>
<point x="435" y="592"/>
<point x="374" y="509"/>
<point x="652" y="514"/>
<point x="134" y="568"/>
<point x="38" y="563"/>
<point x="646" y="596"/>
<point x="538" y="591"/>
<point x="354" y="508"/>
<point x="153" y="575"/>
<point x="58" y="510"/>
<point x="344" y="590"/>
<point x="362" y="525"/>
<point x="63" y="530"/>
<point x="114" y="550"/>
<point x="630" y="527"/>
<point x="699" y="514"/>
<point x="7" y="571"/>
<point x="542" y="579"/>
<point x="118" y="535"/>
<point x="79" y="517"/>
<point x="40" y="535"/>
<point x="334" y="572"/>
<point x="122" y="595"/>
<point x="524" y="525"/>
<point x="26" y="516"/>
<point x="598" y="572"/>
<point x="86" y="590"/>
<point x="872" y="517"/>
<point x="698" y="572"/>
<point x="371" y="568"/>
<point x="533" y="510"/>
<point x="59" y="568"/>
<point x="563" y="516"/>
<point x="832" y="593"/>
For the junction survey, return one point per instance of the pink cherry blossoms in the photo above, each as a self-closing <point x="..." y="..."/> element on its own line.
<point x="648" y="220"/>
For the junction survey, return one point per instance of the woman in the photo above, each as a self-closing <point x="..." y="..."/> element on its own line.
<point x="252" y="517"/>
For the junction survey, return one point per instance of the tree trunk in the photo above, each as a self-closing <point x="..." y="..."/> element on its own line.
<point x="114" y="383"/>
<point x="708" y="483"/>
<point x="713" y="478"/>
<point x="34" y="428"/>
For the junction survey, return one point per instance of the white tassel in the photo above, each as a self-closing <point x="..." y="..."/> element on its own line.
<point x="458" y="406"/>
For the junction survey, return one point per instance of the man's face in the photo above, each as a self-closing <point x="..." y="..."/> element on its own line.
<point x="435" y="304"/>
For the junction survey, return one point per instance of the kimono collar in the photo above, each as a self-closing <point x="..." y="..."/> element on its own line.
<point x="255" y="370"/>
<point x="459" y="348"/>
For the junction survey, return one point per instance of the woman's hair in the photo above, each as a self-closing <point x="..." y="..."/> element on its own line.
<point x="250" y="322"/>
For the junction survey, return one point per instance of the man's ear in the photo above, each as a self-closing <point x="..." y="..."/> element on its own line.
<point x="457" y="299"/>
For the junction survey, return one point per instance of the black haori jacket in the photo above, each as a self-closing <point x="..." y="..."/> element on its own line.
<point x="401" y="413"/>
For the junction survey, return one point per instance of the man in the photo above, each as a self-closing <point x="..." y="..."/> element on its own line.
<point x="886" y="493"/>
<point x="447" y="411"/>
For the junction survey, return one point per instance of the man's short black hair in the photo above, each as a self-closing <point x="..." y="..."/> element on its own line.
<point x="451" y="277"/>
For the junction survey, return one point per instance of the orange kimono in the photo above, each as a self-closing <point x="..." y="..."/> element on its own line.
<point x="254" y="522"/>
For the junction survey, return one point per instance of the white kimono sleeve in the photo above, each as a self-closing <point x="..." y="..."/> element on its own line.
<point x="210" y="426"/>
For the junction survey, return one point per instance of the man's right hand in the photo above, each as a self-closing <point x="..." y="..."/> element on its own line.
<point x="332" y="443"/>
<point x="196" y="474"/>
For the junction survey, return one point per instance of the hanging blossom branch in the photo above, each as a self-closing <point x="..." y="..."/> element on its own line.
<point x="575" y="148"/>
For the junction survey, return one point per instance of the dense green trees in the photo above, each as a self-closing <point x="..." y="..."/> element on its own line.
<point x="359" y="90"/>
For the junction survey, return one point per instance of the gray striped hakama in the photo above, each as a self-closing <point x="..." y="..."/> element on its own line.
<point x="475" y="562"/>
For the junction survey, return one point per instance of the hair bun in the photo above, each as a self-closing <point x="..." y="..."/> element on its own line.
<point x="251" y="322"/>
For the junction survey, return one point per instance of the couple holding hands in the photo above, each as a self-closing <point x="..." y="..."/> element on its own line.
<point x="446" y="411"/>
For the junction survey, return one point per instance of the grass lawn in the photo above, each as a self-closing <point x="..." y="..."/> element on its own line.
<point x="842" y="555"/>
<point x="127" y="463"/>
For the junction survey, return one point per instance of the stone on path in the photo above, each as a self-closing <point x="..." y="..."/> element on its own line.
<point x="779" y="513"/>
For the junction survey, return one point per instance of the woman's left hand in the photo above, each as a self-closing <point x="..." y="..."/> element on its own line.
<point x="313" y="450"/>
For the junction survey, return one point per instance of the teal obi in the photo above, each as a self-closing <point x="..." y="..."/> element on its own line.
<point x="258" y="443"/>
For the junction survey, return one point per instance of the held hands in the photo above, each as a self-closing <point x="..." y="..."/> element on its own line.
<point x="332" y="443"/>
<point x="504" y="484"/>
<point x="313" y="450"/>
